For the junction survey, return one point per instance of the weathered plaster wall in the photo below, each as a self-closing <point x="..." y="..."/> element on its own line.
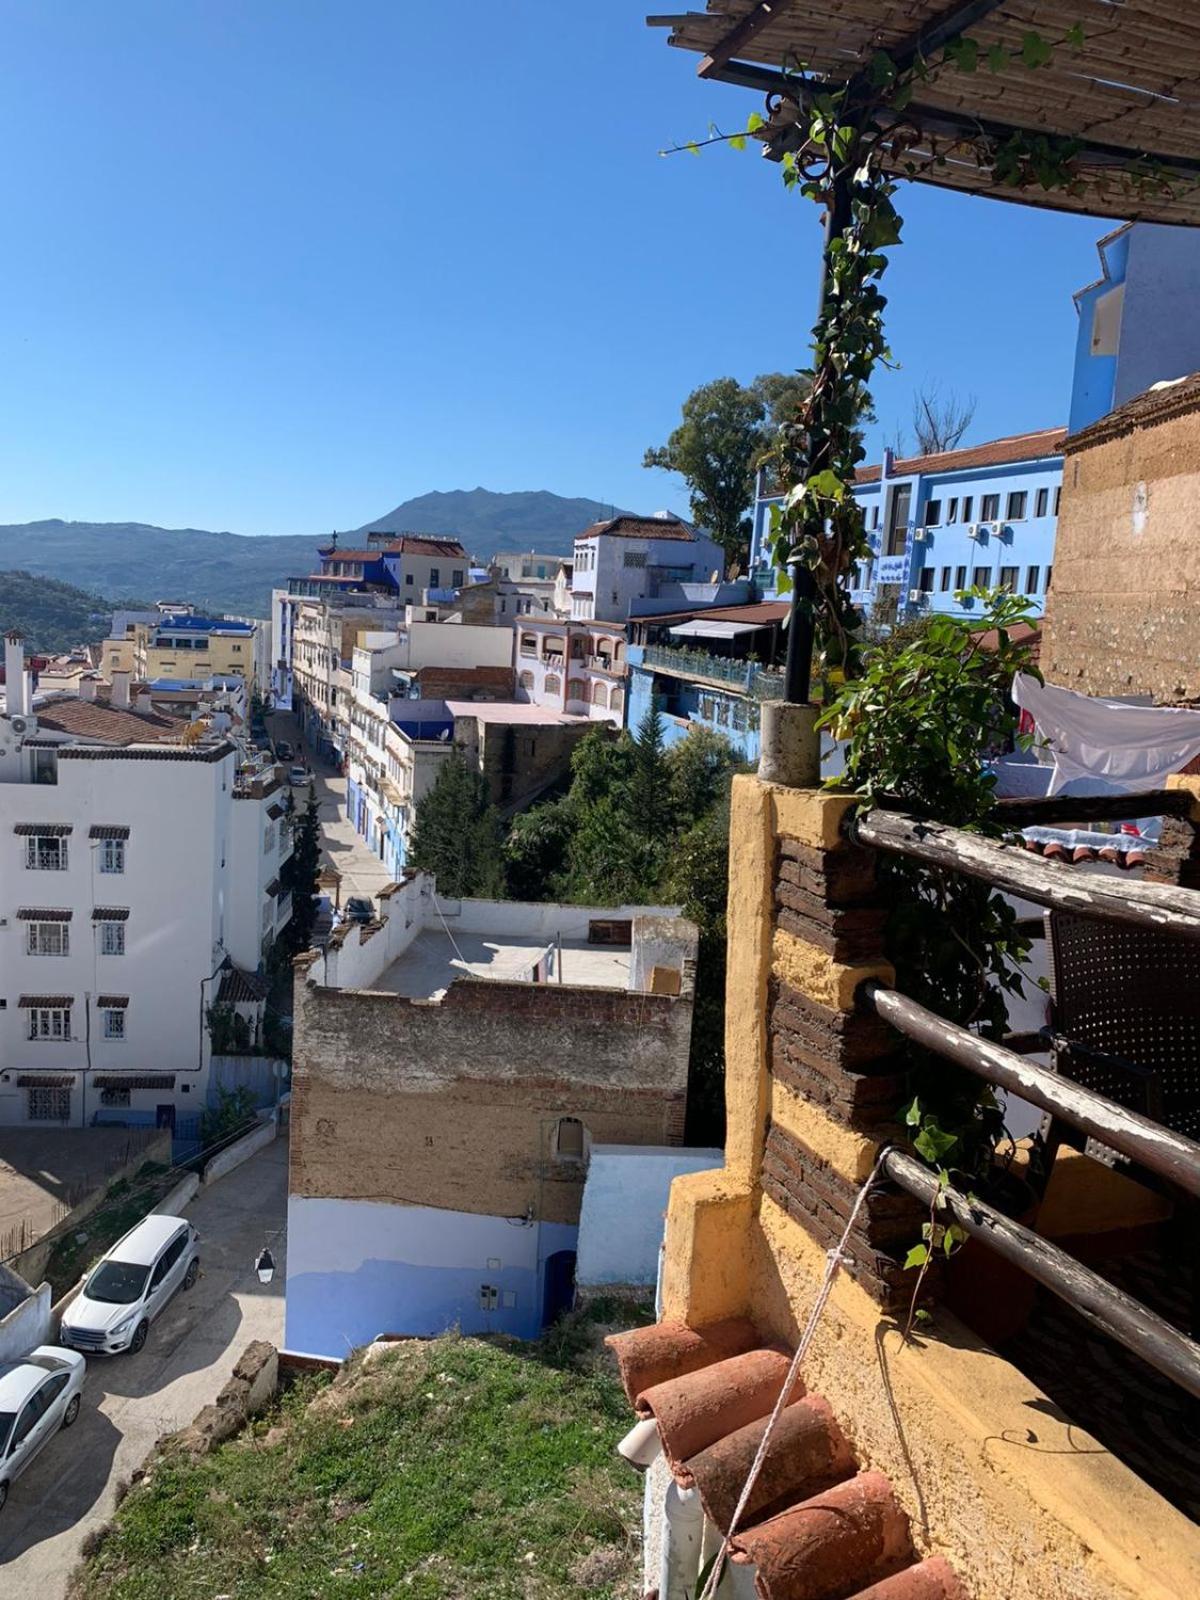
<point x="1123" y="616"/>
<point x="624" y="1207"/>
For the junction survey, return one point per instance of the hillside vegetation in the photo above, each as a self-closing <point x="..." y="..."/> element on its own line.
<point x="450" y="1469"/>
<point x="53" y="615"/>
<point x="487" y="522"/>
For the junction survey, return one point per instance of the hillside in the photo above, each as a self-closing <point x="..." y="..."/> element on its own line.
<point x="53" y="615"/>
<point x="436" y="1469"/>
<point x="488" y="523"/>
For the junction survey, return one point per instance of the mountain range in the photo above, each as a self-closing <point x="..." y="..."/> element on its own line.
<point x="236" y="572"/>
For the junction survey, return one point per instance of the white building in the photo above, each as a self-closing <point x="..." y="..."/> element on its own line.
<point x="628" y="560"/>
<point x="577" y="668"/>
<point x="137" y="859"/>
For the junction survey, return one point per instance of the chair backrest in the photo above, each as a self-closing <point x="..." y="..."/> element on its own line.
<point x="1134" y="995"/>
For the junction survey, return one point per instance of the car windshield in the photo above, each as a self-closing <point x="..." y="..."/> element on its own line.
<point x="7" y="1418"/>
<point x="115" y="1283"/>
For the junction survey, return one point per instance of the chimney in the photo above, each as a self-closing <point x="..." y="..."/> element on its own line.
<point x="144" y="702"/>
<point x="16" y="684"/>
<point x="119" y="698"/>
<point x="87" y="686"/>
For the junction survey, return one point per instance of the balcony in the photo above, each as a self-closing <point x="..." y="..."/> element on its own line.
<point x="744" y="677"/>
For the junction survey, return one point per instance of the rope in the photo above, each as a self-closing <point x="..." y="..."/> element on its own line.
<point x="836" y="1258"/>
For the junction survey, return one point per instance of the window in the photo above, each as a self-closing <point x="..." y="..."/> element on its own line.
<point x="435" y="577"/>
<point x="112" y="855"/>
<point x="1008" y="579"/>
<point x="553" y="683"/>
<point x="114" y="1022"/>
<point x="945" y="583"/>
<point x="968" y="508"/>
<point x="1031" y="580"/>
<point x="981" y="578"/>
<point x="49" y="939"/>
<point x="1042" y="503"/>
<point x="408" y="579"/>
<point x="989" y="508"/>
<point x="926" y="584"/>
<point x="1049" y="575"/>
<point x="456" y="578"/>
<point x="114" y="1097"/>
<point x="874" y="516"/>
<point x="1018" y="506"/>
<point x="576" y="689"/>
<point x="526" y="680"/>
<point x="568" y="1139"/>
<point x="529" y="644"/>
<point x="599" y="694"/>
<point x="48" y="1105"/>
<point x="1057" y="501"/>
<point x="933" y="513"/>
<point x="50" y="1022"/>
<point x="952" y="512"/>
<point x="46" y="852"/>
<point x="49" y="1392"/>
<point x="112" y="938"/>
<point x="269" y="831"/>
<point x="635" y="558"/>
<point x="616" y="699"/>
<point x="960" y="577"/>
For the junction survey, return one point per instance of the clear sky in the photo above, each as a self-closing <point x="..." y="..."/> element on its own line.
<point x="277" y="265"/>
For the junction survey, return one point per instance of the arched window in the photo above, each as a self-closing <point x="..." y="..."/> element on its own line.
<point x="569" y="1141"/>
<point x="526" y="680"/>
<point x="553" y="683"/>
<point x="576" y="690"/>
<point x="616" y="655"/>
<point x="616" y="700"/>
<point x="599" y="694"/>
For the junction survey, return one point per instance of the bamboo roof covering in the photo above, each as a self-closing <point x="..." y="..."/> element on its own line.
<point x="1130" y="92"/>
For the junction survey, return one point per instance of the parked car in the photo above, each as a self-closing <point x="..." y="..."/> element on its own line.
<point x="298" y="775"/>
<point x="360" y="909"/>
<point x="283" y="750"/>
<point x="128" y="1287"/>
<point x="38" y="1396"/>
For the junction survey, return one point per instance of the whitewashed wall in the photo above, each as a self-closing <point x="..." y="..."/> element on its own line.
<point x="624" y="1210"/>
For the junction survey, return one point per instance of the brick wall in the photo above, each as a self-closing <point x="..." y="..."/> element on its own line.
<point x="454" y="1103"/>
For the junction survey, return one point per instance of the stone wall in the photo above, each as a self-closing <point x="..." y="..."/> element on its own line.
<point x="1123" y="612"/>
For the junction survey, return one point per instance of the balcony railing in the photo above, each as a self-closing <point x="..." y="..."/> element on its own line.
<point x="746" y="677"/>
<point x="1155" y="1148"/>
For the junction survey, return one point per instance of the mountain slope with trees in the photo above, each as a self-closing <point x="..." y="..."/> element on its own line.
<point x="52" y="615"/>
<point x="489" y="523"/>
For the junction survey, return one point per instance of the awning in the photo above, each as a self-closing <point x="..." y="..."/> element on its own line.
<point x="55" y="830"/>
<point x="241" y="988"/>
<point x="112" y="1002"/>
<point x="45" y="1080"/>
<point x="275" y="811"/>
<point x="110" y="914"/>
<point x="126" y="1080"/>
<point x="107" y="830"/>
<point x="55" y="1001"/>
<point x="43" y="914"/>
<point x="701" y="629"/>
<point x="272" y="888"/>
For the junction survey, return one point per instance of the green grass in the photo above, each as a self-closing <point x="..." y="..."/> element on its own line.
<point x="126" y="1202"/>
<point x="458" y="1469"/>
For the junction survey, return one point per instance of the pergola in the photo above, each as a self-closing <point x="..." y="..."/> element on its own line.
<point x="1125" y="91"/>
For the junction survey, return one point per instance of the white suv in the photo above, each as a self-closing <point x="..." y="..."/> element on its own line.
<point x="128" y="1287"/>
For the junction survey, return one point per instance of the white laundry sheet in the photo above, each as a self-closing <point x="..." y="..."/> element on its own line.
<point x="1129" y="747"/>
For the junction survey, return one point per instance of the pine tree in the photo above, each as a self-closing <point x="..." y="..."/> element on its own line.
<point x="299" y="876"/>
<point x="648" y="807"/>
<point x="457" y="835"/>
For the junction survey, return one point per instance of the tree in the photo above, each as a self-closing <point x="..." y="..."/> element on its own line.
<point x="536" y="851"/>
<point x="298" y="876"/>
<point x="717" y="447"/>
<point x="649" y="802"/>
<point x="939" y="424"/>
<point x="699" y="883"/>
<point x="698" y="770"/>
<point x="456" y="834"/>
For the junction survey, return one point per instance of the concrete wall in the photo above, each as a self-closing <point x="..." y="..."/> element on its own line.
<point x="1124" y="616"/>
<point x="624" y="1209"/>
<point x="232" y="1157"/>
<point x="357" y="1269"/>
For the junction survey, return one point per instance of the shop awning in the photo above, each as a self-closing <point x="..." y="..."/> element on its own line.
<point x="700" y="629"/>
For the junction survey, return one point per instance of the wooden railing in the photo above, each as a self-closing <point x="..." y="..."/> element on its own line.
<point x="1156" y="1149"/>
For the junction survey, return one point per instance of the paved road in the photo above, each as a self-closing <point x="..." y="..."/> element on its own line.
<point x="130" y="1400"/>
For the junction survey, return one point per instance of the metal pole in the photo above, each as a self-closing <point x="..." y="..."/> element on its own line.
<point x="797" y="672"/>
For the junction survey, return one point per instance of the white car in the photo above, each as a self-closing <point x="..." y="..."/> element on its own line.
<point x="38" y="1396"/>
<point x="297" y="776"/>
<point x="127" y="1289"/>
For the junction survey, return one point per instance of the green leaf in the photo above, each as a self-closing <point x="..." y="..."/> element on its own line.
<point x="964" y="54"/>
<point x="933" y="1142"/>
<point x="1074" y="36"/>
<point x="737" y="141"/>
<point x="754" y="122"/>
<point x="912" y="1114"/>
<point x="916" y="1257"/>
<point x="1035" y="52"/>
<point x="997" y="58"/>
<point x="881" y="69"/>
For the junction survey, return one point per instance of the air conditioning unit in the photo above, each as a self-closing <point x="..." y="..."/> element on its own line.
<point x="920" y="535"/>
<point x="975" y="530"/>
<point x="915" y="596"/>
<point x="992" y="527"/>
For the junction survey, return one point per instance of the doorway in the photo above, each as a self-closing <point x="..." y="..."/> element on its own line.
<point x="558" y="1285"/>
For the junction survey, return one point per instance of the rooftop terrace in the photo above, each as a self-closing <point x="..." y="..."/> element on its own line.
<point x="435" y="959"/>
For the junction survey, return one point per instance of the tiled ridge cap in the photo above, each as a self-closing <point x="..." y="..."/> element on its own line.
<point x="817" y="1527"/>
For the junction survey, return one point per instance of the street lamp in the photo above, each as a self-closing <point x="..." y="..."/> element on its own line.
<point x="265" y="1265"/>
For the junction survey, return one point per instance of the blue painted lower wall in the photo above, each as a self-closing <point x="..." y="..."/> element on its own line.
<point x="356" y="1269"/>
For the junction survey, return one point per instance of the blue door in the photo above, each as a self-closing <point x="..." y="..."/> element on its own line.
<point x="558" y="1285"/>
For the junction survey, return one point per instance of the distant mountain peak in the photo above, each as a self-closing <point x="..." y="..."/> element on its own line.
<point x="491" y="522"/>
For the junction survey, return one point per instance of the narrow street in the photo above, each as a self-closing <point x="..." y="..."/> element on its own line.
<point x="130" y="1400"/>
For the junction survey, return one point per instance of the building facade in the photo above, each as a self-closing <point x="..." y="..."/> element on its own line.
<point x="453" y="1067"/>
<point x="136" y="867"/>
<point x="575" y="668"/>
<point x="184" y="645"/>
<point x="629" y="562"/>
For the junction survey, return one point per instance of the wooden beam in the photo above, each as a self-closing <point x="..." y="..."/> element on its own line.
<point x="1158" y="906"/>
<point x="1053" y="810"/>
<point x="763" y="15"/>
<point x="1157" y="1148"/>
<point x="1115" y="1313"/>
<point x="939" y="31"/>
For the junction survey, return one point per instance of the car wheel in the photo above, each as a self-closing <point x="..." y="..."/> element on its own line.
<point x="72" y="1411"/>
<point x="193" y="1272"/>
<point x="139" y="1337"/>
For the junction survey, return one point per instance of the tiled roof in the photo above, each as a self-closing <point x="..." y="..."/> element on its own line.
<point x="631" y="527"/>
<point x="99" y="724"/>
<point x="56" y="1002"/>
<point x="108" y="830"/>
<point x="135" y="1080"/>
<point x="112" y="1002"/>
<point x="816" y="1526"/>
<point x="240" y="987"/>
<point x="1119" y="850"/>
<point x="765" y="613"/>
<point x="1160" y="404"/>
<point x="996" y="453"/>
<point x="44" y="914"/>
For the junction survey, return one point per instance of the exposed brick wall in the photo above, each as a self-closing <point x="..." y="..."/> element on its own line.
<point x="454" y="1103"/>
<point x="466" y="683"/>
<point x="1122" y="615"/>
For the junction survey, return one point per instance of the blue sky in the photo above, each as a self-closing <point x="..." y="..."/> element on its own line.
<point x="276" y="265"/>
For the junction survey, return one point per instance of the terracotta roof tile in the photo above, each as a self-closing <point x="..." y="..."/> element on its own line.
<point x="631" y="527"/>
<point x="1161" y="403"/>
<point x="652" y="1355"/>
<point x="808" y="1453"/>
<point x="101" y="724"/>
<point x="830" y="1546"/>
<point x="934" y="1579"/>
<point x="694" y="1411"/>
<point x="996" y="453"/>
